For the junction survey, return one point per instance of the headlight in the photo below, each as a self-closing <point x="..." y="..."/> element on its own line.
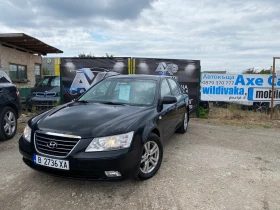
<point x="27" y="133"/>
<point x="110" y="142"/>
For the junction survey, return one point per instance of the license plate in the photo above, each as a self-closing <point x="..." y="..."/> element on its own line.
<point x="51" y="162"/>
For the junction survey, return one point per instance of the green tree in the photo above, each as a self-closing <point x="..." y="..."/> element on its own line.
<point x="83" y="55"/>
<point x="250" y="71"/>
<point x="254" y="71"/>
<point x="265" y="71"/>
<point x="109" y="56"/>
<point x="46" y="71"/>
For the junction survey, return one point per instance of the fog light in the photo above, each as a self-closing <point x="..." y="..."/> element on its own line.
<point x="112" y="173"/>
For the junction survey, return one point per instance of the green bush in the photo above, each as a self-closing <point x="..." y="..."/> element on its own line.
<point x="202" y="113"/>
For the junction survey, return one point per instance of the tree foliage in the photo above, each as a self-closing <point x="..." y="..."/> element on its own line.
<point x="83" y="55"/>
<point x="91" y="55"/>
<point x="255" y="71"/>
<point x="109" y="56"/>
<point x="46" y="71"/>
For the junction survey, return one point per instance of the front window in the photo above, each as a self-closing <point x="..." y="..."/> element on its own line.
<point x="174" y="87"/>
<point x="122" y="91"/>
<point x="165" y="90"/>
<point x="50" y="82"/>
<point x="18" y="73"/>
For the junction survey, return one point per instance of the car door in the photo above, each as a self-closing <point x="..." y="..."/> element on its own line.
<point x="167" y="115"/>
<point x="180" y="105"/>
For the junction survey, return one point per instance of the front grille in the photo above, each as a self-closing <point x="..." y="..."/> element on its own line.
<point x="55" y="144"/>
<point x="45" y="94"/>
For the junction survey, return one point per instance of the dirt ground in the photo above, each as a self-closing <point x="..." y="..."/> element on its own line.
<point x="210" y="167"/>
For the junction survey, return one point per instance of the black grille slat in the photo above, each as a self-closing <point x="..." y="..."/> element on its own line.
<point x="64" y="144"/>
<point x="44" y="146"/>
<point x="58" y="144"/>
<point x="56" y="140"/>
<point x="52" y="139"/>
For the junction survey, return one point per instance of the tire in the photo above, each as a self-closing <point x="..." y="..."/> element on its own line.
<point x="148" y="172"/>
<point x="8" y="123"/>
<point x="184" y="126"/>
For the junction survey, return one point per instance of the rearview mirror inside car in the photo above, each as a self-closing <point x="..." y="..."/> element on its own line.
<point x="169" y="99"/>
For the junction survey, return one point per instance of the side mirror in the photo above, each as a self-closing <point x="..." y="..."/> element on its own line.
<point x="169" y="100"/>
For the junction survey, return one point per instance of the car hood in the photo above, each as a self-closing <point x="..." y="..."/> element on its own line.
<point x="91" y="119"/>
<point x="45" y="88"/>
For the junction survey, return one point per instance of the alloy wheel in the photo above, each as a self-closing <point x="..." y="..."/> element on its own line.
<point x="9" y="123"/>
<point x="150" y="157"/>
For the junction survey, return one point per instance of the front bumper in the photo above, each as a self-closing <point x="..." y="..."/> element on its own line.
<point x="43" y="101"/>
<point x="84" y="165"/>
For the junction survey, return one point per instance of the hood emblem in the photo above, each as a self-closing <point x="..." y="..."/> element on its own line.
<point x="52" y="145"/>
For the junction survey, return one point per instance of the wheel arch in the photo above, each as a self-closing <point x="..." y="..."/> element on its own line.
<point x="13" y="106"/>
<point x="149" y="130"/>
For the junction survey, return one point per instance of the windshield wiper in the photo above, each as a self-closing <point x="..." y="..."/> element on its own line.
<point x="114" y="103"/>
<point x="83" y="101"/>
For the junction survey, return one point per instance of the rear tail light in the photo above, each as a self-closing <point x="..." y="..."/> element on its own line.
<point x="18" y="94"/>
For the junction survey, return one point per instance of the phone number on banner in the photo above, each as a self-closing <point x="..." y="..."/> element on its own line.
<point x="217" y="82"/>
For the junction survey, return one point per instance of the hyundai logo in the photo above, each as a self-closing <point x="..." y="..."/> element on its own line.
<point x="52" y="145"/>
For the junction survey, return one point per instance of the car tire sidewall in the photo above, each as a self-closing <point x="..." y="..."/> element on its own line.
<point x="182" y="128"/>
<point x="143" y="176"/>
<point x="3" y="135"/>
<point x="186" y="129"/>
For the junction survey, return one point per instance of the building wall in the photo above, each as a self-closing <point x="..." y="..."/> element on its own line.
<point x="52" y="65"/>
<point x="13" y="56"/>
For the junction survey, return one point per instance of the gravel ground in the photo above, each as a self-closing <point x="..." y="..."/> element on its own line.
<point x="210" y="167"/>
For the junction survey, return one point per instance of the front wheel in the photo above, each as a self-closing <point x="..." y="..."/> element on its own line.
<point x="151" y="158"/>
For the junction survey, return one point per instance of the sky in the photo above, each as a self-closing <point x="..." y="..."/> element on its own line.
<point x="231" y="35"/>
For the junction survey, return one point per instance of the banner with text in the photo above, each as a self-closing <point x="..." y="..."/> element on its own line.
<point x="186" y="72"/>
<point x="239" y="87"/>
<point x="79" y="74"/>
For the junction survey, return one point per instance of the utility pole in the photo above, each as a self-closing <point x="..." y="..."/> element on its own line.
<point x="273" y="79"/>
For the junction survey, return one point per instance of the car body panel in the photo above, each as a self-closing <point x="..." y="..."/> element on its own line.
<point x="8" y="97"/>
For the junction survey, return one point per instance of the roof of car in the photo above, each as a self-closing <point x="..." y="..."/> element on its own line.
<point x="50" y="76"/>
<point x="140" y="76"/>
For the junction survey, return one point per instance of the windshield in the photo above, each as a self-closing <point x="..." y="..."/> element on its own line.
<point x="50" y="82"/>
<point x="122" y="91"/>
<point x="4" y="77"/>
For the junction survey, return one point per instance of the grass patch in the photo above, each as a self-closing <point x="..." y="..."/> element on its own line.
<point x="202" y="113"/>
<point x="234" y="115"/>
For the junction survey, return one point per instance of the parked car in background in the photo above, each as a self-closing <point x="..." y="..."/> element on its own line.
<point x="45" y="94"/>
<point x="10" y="108"/>
<point x="114" y="130"/>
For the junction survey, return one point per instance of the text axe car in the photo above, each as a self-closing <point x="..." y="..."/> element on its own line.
<point x="113" y="131"/>
<point x="10" y="108"/>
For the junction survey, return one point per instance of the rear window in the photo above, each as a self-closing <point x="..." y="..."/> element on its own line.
<point x="4" y="77"/>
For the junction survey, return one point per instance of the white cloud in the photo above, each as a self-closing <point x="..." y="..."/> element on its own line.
<point x="231" y="35"/>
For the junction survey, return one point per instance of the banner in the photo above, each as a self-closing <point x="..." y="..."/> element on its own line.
<point x="79" y="74"/>
<point x="239" y="87"/>
<point x="186" y="72"/>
